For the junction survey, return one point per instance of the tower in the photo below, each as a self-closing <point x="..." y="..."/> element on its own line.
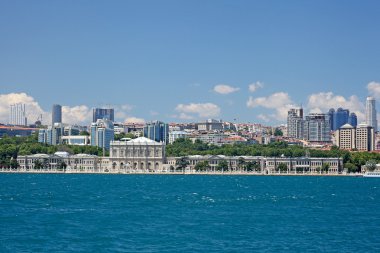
<point x="370" y="113"/>
<point x="56" y="114"/>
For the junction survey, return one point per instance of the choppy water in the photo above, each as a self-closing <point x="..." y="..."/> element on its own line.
<point x="150" y="213"/>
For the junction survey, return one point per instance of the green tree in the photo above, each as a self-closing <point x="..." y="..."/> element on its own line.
<point x="351" y="168"/>
<point x="278" y="132"/>
<point x="370" y="165"/>
<point x="222" y="166"/>
<point x="182" y="163"/>
<point x="282" y="167"/>
<point x="14" y="164"/>
<point x="325" y="167"/>
<point x="241" y="163"/>
<point x="84" y="133"/>
<point x="202" y="166"/>
<point x="38" y="164"/>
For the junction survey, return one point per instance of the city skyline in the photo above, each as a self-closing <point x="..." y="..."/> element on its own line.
<point x="185" y="62"/>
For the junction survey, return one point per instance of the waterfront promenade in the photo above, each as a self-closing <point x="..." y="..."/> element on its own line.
<point x="184" y="172"/>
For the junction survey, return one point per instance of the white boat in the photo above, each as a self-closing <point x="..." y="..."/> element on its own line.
<point x="372" y="174"/>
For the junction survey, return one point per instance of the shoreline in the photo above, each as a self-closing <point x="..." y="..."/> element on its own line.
<point x="182" y="173"/>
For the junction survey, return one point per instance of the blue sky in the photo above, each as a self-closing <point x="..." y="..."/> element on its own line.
<point x="163" y="59"/>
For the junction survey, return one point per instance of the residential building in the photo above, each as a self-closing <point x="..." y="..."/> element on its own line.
<point x="295" y="123"/>
<point x="360" y="138"/>
<point x="157" y="131"/>
<point x="365" y="137"/>
<point x="102" y="133"/>
<point x="17" y="115"/>
<point x="346" y="137"/>
<point x="102" y="113"/>
<point x="370" y="113"/>
<point x="56" y="114"/>
<point x="210" y="125"/>
<point x="317" y="128"/>
<point x="215" y="138"/>
<point x="174" y="135"/>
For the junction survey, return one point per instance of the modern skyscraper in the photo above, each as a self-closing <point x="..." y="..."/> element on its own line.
<point x="370" y="113"/>
<point x="101" y="113"/>
<point x="102" y="133"/>
<point x="52" y="135"/>
<point x="295" y="123"/>
<point x="17" y="115"/>
<point x="353" y="120"/>
<point x="331" y="114"/>
<point x="56" y="114"/>
<point x="317" y="127"/>
<point x="157" y="131"/>
<point x="340" y="118"/>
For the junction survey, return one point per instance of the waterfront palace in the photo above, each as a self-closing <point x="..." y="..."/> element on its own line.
<point x="142" y="155"/>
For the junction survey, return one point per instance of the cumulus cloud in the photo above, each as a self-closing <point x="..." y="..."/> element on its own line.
<point x="134" y="120"/>
<point x="204" y="110"/>
<point x="374" y="89"/>
<point x="121" y="111"/>
<point x="255" y="86"/>
<point x="323" y="101"/>
<point x="280" y="101"/>
<point x="225" y="89"/>
<point x="263" y="117"/>
<point x="33" y="109"/>
<point x="80" y="114"/>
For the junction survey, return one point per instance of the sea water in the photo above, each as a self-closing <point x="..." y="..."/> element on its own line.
<point x="183" y="213"/>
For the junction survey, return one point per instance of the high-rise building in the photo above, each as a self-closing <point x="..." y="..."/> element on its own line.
<point x="295" y="123"/>
<point x="17" y="115"/>
<point x="102" y="133"/>
<point x="370" y="113"/>
<point x="317" y="127"/>
<point x="353" y="120"/>
<point x="365" y="138"/>
<point x="346" y="137"/>
<point x="340" y="118"/>
<point x="361" y="138"/>
<point x="56" y="114"/>
<point x="101" y="113"/>
<point x="331" y="114"/>
<point x="52" y="135"/>
<point x="157" y="131"/>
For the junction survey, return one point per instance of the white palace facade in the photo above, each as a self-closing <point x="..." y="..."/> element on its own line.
<point x="142" y="155"/>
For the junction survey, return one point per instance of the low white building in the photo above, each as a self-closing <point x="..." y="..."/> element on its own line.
<point x="174" y="135"/>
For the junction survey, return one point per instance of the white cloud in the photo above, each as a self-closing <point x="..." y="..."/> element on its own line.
<point x="374" y="89"/>
<point x="154" y="113"/>
<point x="204" y="110"/>
<point x="323" y="101"/>
<point x="80" y="114"/>
<point x="225" y="89"/>
<point x="134" y="120"/>
<point x="121" y="111"/>
<point x="280" y="101"/>
<point x="255" y="86"/>
<point x="32" y="108"/>
<point x="263" y="117"/>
